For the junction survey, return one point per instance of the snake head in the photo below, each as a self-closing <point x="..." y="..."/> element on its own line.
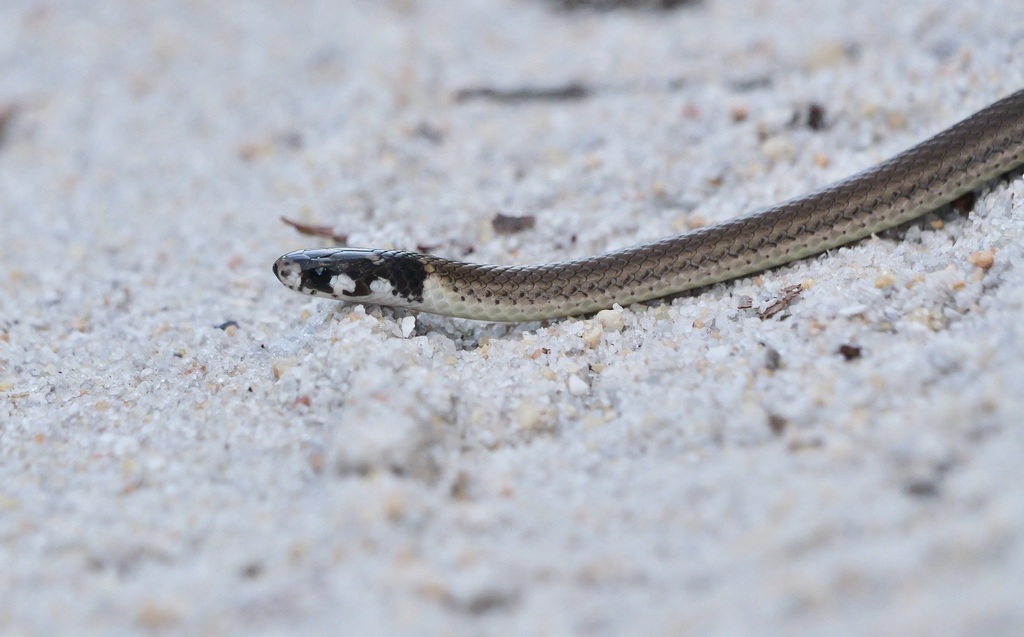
<point x="371" y="276"/>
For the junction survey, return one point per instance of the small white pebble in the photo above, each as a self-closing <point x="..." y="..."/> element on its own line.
<point x="576" y="386"/>
<point x="852" y="310"/>
<point x="779" y="148"/>
<point x="408" y="325"/>
<point x="611" y="319"/>
<point x="592" y="337"/>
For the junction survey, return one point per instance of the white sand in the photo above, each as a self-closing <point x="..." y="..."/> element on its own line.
<point x="699" y="471"/>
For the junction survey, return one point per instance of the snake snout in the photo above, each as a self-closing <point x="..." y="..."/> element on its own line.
<point x="287" y="272"/>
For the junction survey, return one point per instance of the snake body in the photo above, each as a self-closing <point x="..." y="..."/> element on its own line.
<point x="909" y="185"/>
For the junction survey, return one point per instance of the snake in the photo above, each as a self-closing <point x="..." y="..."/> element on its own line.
<point x="919" y="180"/>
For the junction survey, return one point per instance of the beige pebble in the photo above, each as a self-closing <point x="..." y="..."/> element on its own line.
<point x="983" y="259"/>
<point x="281" y="366"/>
<point x="929" y="318"/>
<point x="529" y="415"/>
<point x="611" y="319"/>
<point x="155" y="615"/>
<point x="884" y="279"/>
<point x="779" y="148"/>
<point x="827" y="54"/>
<point x="592" y="336"/>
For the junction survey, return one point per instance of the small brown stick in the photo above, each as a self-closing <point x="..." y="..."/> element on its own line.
<point x="318" y="231"/>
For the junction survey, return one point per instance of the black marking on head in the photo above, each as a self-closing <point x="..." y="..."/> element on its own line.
<point x="402" y="270"/>
<point x="318" y="279"/>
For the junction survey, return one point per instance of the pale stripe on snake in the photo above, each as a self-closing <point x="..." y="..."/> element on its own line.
<point x="913" y="183"/>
